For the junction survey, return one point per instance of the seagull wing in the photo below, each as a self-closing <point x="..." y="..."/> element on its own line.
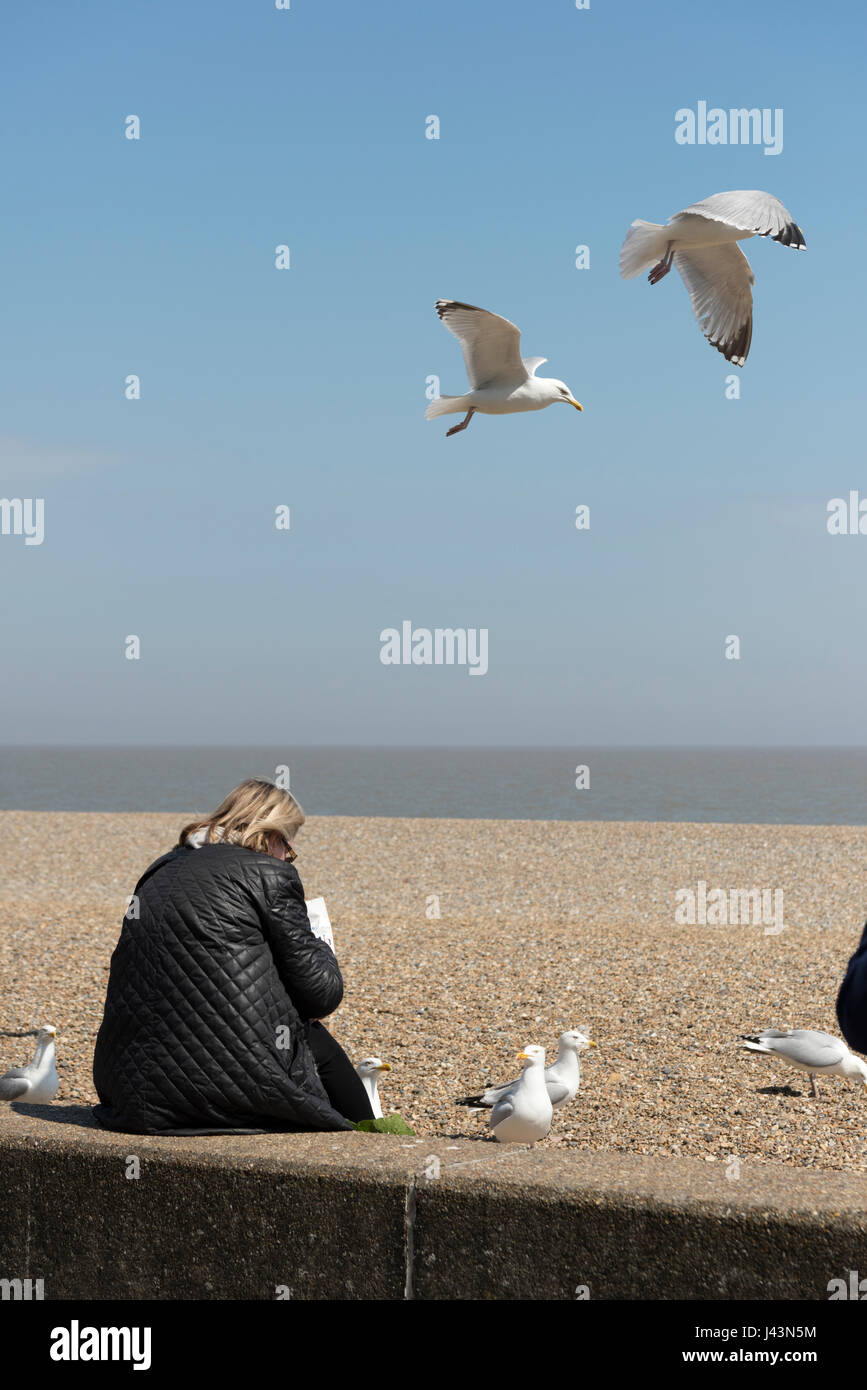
<point x="718" y="279"/>
<point x="801" y="1045"/>
<point x="491" y="345"/>
<point x="809" y="1048"/>
<point x="532" y="364"/>
<point x="503" y="1109"/>
<point x="495" y="1093"/>
<point x="483" y="1100"/>
<point x="14" y="1084"/>
<point x="558" y="1091"/>
<point x="750" y="210"/>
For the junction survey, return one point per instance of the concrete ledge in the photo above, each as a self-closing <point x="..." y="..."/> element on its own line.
<point x="360" y="1216"/>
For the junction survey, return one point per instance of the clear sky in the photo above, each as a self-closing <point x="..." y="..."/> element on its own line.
<point x="306" y="387"/>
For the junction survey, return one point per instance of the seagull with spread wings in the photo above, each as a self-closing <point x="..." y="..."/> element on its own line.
<point x="501" y="381"/>
<point x="701" y="244"/>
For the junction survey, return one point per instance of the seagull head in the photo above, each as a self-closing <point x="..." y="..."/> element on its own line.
<point x="574" y="1041"/>
<point x="560" y="392"/>
<point x="531" y="1056"/>
<point x="47" y="1030"/>
<point x="372" y="1066"/>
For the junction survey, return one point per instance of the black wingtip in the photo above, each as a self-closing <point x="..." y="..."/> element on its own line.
<point x="475" y="1101"/>
<point x="737" y="349"/>
<point x="443" y="304"/>
<point x="791" y="235"/>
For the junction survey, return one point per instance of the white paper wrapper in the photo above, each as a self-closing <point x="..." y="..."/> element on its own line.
<point x="319" y="923"/>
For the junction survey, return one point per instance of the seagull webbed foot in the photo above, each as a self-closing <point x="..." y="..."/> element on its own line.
<point x="661" y="268"/>
<point x="455" y="429"/>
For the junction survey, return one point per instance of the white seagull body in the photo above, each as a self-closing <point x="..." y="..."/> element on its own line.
<point x="817" y="1053"/>
<point x="38" y="1082"/>
<point x="524" y="1112"/>
<point x="501" y="381"/>
<point x="701" y="243"/>
<point x="370" y="1069"/>
<point x="562" y="1078"/>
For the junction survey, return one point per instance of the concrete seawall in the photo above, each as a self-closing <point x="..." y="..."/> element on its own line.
<point x="359" y="1216"/>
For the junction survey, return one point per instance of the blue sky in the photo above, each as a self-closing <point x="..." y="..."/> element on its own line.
<point x="306" y="387"/>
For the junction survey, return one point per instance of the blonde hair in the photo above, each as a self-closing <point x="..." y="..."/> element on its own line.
<point x="249" y="816"/>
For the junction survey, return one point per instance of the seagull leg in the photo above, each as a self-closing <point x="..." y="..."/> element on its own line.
<point x="813" y="1088"/>
<point x="462" y="426"/>
<point x="662" y="267"/>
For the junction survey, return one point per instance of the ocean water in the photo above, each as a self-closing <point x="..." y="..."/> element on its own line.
<point x="815" y="786"/>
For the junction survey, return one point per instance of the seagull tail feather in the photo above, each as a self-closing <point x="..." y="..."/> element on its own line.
<point x="645" y="244"/>
<point x="444" y="405"/>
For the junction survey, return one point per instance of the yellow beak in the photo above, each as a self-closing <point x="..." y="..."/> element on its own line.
<point x="593" y="1044"/>
<point x="577" y="405"/>
<point x="386" y="1066"/>
<point x="523" y="1057"/>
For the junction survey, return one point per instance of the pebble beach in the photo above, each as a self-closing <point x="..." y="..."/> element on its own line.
<point x="461" y="941"/>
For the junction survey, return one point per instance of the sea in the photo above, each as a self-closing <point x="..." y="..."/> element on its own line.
<point x="800" y="786"/>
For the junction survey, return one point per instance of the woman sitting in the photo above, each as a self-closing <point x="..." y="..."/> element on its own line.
<point x="216" y="987"/>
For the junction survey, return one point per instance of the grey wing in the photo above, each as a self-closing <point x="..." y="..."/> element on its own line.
<point x="558" y="1091"/>
<point x="495" y="1093"/>
<point x="718" y="280"/>
<point x="808" y="1048"/>
<point x="491" y="345"/>
<point x="750" y="210"/>
<point x="14" y="1084"/>
<point x="503" y="1109"/>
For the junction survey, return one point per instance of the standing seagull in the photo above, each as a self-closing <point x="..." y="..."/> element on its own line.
<point x="38" y="1082"/>
<point x="816" y="1053"/>
<point x="524" y="1112"/>
<point x="501" y="381"/>
<point x="562" y="1078"/>
<point x="370" y="1069"/>
<point x="701" y="242"/>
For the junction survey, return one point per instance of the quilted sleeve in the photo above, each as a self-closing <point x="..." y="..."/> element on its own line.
<point x="852" y="999"/>
<point x="307" y="966"/>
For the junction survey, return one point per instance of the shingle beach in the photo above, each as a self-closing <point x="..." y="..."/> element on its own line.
<point x="542" y="926"/>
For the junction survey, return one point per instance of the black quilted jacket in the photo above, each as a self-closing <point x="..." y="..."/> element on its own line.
<point x="220" y="958"/>
<point x="852" y="999"/>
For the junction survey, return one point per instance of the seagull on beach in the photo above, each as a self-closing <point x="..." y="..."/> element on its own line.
<point x="501" y="381"/>
<point x="562" y="1078"/>
<point x="701" y="243"/>
<point x="38" y="1082"/>
<point x="523" y="1113"/>
<point x="816" y="1053"/>
<point x="370" y="1069"/>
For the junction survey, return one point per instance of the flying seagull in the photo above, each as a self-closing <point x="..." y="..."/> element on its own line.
<point x="701" y="244"/>
<point x="562" y="1078"/>
<point x="816" y="1053"/>
<point x="501" y="381"/>
<point x="523" y="1113"/>
<point x="370" y="1069"/>
<point x="38" y="1082"/>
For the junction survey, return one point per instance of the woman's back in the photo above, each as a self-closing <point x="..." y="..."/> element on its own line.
<point x="215" y="972"/>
